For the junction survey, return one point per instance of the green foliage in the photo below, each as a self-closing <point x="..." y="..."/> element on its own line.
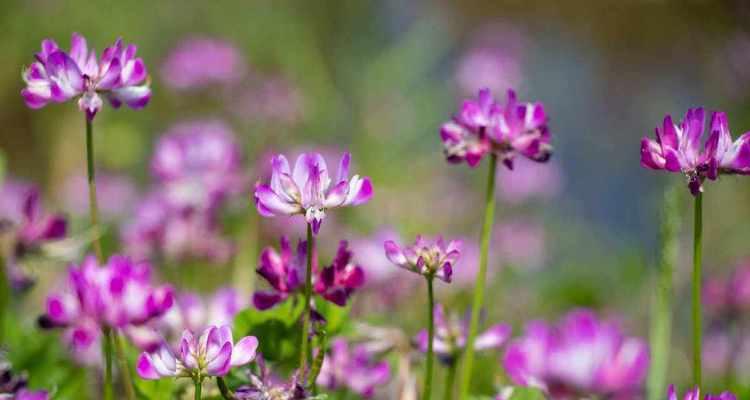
<point x="276" y="329"/>
<point x="157" y="389"/>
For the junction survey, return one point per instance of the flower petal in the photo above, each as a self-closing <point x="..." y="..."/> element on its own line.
<point x="244" y="351"/>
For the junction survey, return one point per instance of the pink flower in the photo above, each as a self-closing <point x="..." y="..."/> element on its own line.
<point x="353" y="368"/>
<point x="214" y="353"/>
<point x="695" y="394"/>
<point x="427" y="259"/>
<point x="57" y="76"/>
<point x="309" y="190"/>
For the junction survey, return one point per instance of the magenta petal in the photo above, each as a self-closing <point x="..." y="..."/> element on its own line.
<point x="266" y="300"/>
<point x="394" y="253"/>
<point x="145" y="367"/>
<point x="219" y="365"/>
<point x="244" y="351"/>
<point x="493" y="337"/>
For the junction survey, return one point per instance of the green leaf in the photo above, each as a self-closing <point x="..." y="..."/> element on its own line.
<point x="277" y="329"/>
<point x="337" y="318"/>
<point x="527" y="393"/>
<point x="158" y="389"/>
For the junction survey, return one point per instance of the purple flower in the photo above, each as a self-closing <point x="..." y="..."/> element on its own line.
<point x="116" y="295"/>
<point x="581" y="355"/>
<point x="57" y="76"/>
<point x="678" y="148"/>
<point x="695" y="394"/>
<point x="483" y="126"/>
<point x="519" y="243"/>
<point x="337" y="282"/>
<point x="272" y="99"/>
<point x="282" y="270"/>
<point x="428" y="259"/>
<point x="353" y="368"/>
<point x="116" y="195"/>
<point x="265" y="386"/>
<point x="450" y="336"/>
<point x="214" y="353"/>
<point x="21" y="209"/>
<point x="199" y="62"/>
<point x="309" y="190"/>
<point x="198" y="164"/>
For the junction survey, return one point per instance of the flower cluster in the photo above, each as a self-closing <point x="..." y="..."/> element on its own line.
<point x="695" y="394"/>
<point x="425" y="258"/>
<point x="582" y="355"/>
<point x="450" y="336"/>
<point x="309" y="190"/>
<point x="58" y="76"/>
<point x="214" y="353"/>
<point x="483" y="126"/>
<point x="353" y="368"/>
<point x="116" y="295"/>
<point x="679" y="148"/>
<point x="264" y="386"/>
<point x="284" y="270"/>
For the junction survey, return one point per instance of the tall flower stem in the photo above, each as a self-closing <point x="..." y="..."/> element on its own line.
<point x="123" y="366"/>
<point x="697" y="254"/>
<point x="450" y="380"/>
<point x="198" y="387"/>
<point x="4" y="297"/>
<point x="476" y="306"/>
<point x="661" y="312"/>
<point x="107" y="344"/>
<point x="304" y="348"/>
<point x="430" y="337"/>
<point x="93" y="205"/>
<point x="226" y="393"/>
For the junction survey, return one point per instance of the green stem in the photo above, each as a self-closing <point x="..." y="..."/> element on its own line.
<point x="124" y="368"/>
<point x="4" y="297"/>
<point x="661" y="313"/>
<point x="317" y="363"/>
<point x="224" y="389"/>
<point x="304" y="350"/>
<point x="697" y="250"/>
<point x="476" y="306"/>
<point x="198" y="387"/>
<point x="107" y="345"/>
<point x="430" y="337"/>
<point x="450" y="380"/>
<point x="93" y="207"/>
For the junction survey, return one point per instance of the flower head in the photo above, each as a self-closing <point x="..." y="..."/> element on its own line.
<point x="450" y="336"/>
<point x="309" y="189"/>
<point x="679" y="148"/>
<point x="695" y="394"/>
<point x="58" y="76"/>
<point x="337" y="281"/>
<point x="214" y="353"/>
<point x="484" y="126"/>
<point x="428" y="259"/>
<point x="581" y="355"/>
<point x="265" y="386"/>
<point x="353" y="367"/>
<point x="116" y="295"/>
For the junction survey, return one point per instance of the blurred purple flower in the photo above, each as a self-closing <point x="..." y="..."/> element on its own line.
<point x="519" y="243"/>
<point x="214" y="353"/>
<point x="483" y="126"/>
<point x="492" y="61"/>
<point x="199" y="62"/>
<point x="116" y="295"/>
<point x="198" y="164"/>
<point x="264" y="386"/>
<point x="353" y="368"/>
<point x="730" y="296"/>
<point x="57" y="76"/>
<point x="429" y="259"/>
<point x="450" y="336"/>
<point x="677" y="148"/>
<point x="528" y="180"/>
<point x="369" y="253"/>
<point x="272" y="99"/>
<point x="116" y="195"/>
<point x="309" y="190"/>
<point x="695" y="394"/>
<point x="13" y="386"/>
<point x="582" y="355"/>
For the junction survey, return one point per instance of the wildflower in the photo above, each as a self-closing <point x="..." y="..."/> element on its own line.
<point x="200" y="61"/>
<point x="198" y="165"/>
<point x="263" y="386"/>
<point x="484" y="126"/>
<point x="214" y="353"/>
<point x="352" y="368"/>
<point x="117" y="295"/>
<point x="336" y="282"/>
<point x="309" y="190"/>
<point x="582" y="355"/>
<point x="695" y="394"/>
<point x="450" y="336"/>
<point x="436" y="259"/>
<point x="677" y="148"/>
<point x="58" y="76"/>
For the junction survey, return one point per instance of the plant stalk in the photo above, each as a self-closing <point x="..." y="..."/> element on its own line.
<point x="430" y="338"/>
<point x="697" y="255"/>
<point x="93" y="205"/>
<point x="304" y="348"/>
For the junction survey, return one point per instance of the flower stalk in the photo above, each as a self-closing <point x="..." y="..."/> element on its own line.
<point x="450" y="380"/>
<point x="123" y="366"/>
<point x="93" y="206"/>
<point x="226" y="393"/>
<point x="430" y="338"/>
<point x="697" y="255"/>
<point x="198" y="386"/>
<point x="107" y="344"/>
<point x="304" y="348"/>
<point x="476" y="306"/>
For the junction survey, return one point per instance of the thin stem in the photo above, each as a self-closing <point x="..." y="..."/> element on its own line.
<point x="198" y="387"/>
<point x="123" y="366"/>
<point x="430" y="337"/>
<point x="224" y="389"/>
<point x="4" y="297"/>
<point x="107" y="345"/>
<point x="697" y="250"/>
<point x="476" y="306"/>
<point x="304" y="350"/>
<point x="450" y="380"/>
<point x="93" y="207"/>
<point x="661" y="313"/>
